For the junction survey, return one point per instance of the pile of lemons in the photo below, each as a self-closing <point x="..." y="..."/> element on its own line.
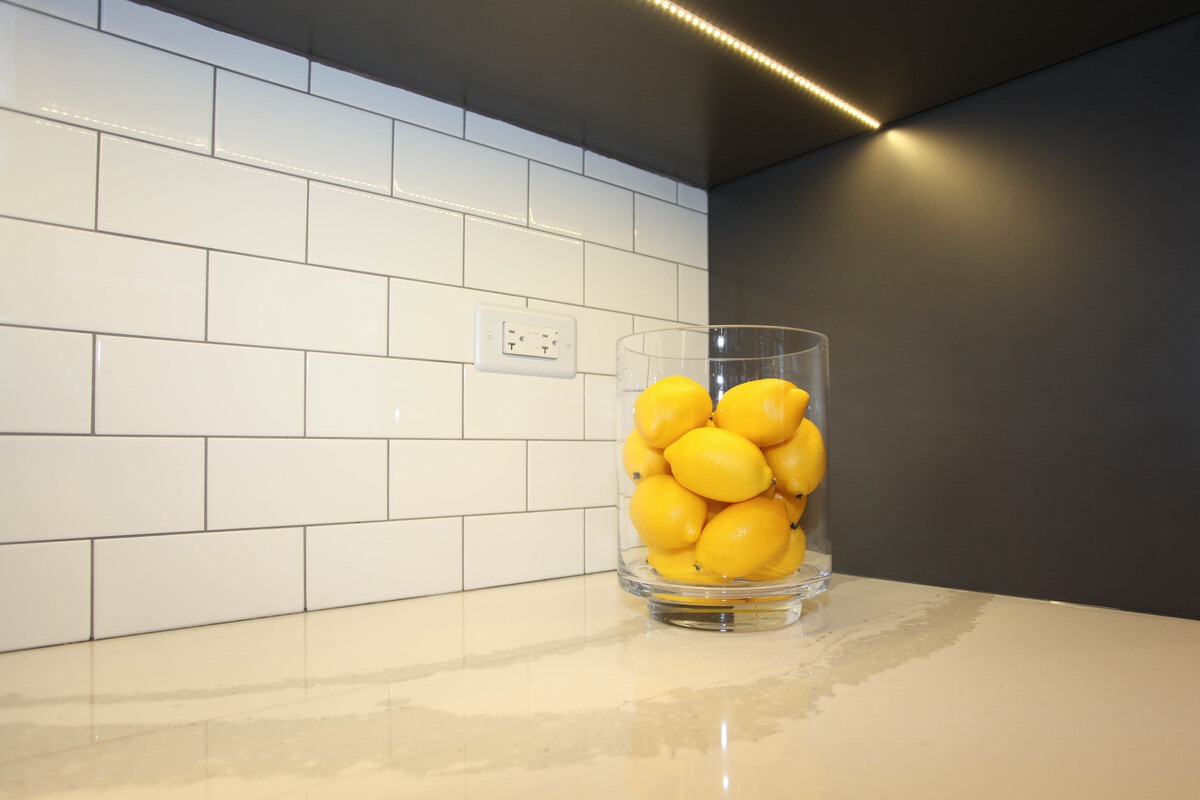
<point x="719" y="492"/>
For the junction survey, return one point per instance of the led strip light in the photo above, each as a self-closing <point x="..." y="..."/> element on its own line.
<point x="707" y="28"/>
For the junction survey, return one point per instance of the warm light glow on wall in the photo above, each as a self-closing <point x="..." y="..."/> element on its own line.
<point x="751" y="53"/>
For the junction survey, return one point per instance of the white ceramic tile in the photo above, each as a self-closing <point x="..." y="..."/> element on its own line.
<point x="642" y="324"/>
<point x="391" y="101"/>
<point x="164" y="194"/>
<point x="151" y="386"/>
<point x="63" y="278"/>
<point x="261" y="482"/>
<point x="665" y="230"/>
<point x="361" y="231"/>
<point x="382" y="397"/>
<point x="521" y="142"/>
<point x="85" y="12"/>
<point x="441" y="170"/>
<point x="517" y="548"/>
<point x="45" y="594"/>
<point x="507" y="258"/>
<point x="693" y="295"/>
<point x="573" y="205"/>
<point x="438" y="478"/>
<point x="599" y="407"/>
<point x="611" y="170"/>
<point x="150" y="583"/>
<point x="597" y="331"/>
<point x="599" y="539"/>
<point x="693" y="198"/>
<point x="301" y="134"/>
<point x="371" y="562"/>
<point x="435" y="322"/>
<point x="572" y="474"/>
<point x="47" y="379"/>
<point x="180" y="35"/>
<point x="258" y="301"/>
<point x="502" y="406"/>
<point x="70" y="487"/>
<point x="83" y="77"/>
<point x="47" y="170"/>
<point x="624" y="281"/>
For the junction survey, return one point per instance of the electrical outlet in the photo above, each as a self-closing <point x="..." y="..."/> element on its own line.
<point x="535" y="341"/>
<point x="524" y="341"/>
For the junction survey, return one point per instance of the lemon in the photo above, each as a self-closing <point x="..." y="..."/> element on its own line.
<point x="786" y="562"/>
<point x="799" y="462"/>
<point x="765" y="411"/>
<point x="669" y="408"/>
<point x="793" y="505"/>
<point x="666" y="514"/>
<point x="641" y="460"/>
<point x="719" y="464"/>
<point x="744" y="538"/>
<point x="679" y="565"/>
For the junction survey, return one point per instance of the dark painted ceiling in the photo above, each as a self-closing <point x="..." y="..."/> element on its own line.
<point x="624" y="78"/>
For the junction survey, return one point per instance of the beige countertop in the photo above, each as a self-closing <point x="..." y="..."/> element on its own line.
<point x="566" y="689"/>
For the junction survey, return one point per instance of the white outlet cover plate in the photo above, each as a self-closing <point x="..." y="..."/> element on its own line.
<point x="489" y="341"/>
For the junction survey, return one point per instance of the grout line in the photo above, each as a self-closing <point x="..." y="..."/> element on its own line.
<point x="92" y="608"/>
<point x="205" y="488"/>
<point x="304" y="568"/>
<point x="212" y="136"/>
<point x="95" y="365"/>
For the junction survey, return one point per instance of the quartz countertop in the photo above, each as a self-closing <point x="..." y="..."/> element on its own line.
<point x="566" y="689"/>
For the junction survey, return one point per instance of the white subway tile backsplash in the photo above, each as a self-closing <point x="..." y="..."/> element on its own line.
<point x="502" y="406"/>
<point x="693" y="198"/>
<point x="164" y="194"/>
<point x="431" y="167"/>
<point x="599" y="539"/>
<point x="85" y="12"/>
<point x="597" y="331"/>
<point x="672" y="232"/>
<point x="599" y="407"/>
<point x="391" y="101"/>
<point x="276" y="303"/>
<point x="612" y="171"/>
<point x="303" y="135"/>
<point x="375" y="561"/>
<point x="522" y="261"/>
<point x="572" y="474"/>
<point x="693" y="295"/>
<point x="62" y="71"/>
<point x="47" y="378"/>
<point x="367" y="233"/>
<point x="435" y="322"/>
<point x="573" y="205"/>
<point x="511" y="139"/>
<point x="150" y="386"/>
<point x="382" y="397"/>
<point x="433" y="478"/>
<point x="517" y="548"/>
<point x="73" y="487"/>
<point x="45" y="594"/>
<point x="150" y="583"/>
<point x="48" y="170"/>
<point x="629" y="282"/>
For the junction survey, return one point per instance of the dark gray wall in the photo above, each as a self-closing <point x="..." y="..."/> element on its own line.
<point x="1011" y="287"/>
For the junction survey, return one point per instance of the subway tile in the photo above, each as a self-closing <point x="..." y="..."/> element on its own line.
<point x="376" y="561"/>
<point x="629" y="282"/>
<point x="431" y="167"/>
<point x="85" y="12"/>
<point x="45" y="594"/>
<point x="643" y="324"/>
<point x="391" y="101"/>
<point x="47" y="381"/>
<point x="639" y="180"/>
<point x="63" y="278"/>
<point x="597" y="331"/>
<point x="151" y="386"/>
<point x="665" y="230"/>
<point x="382" y="397"/>
<point x="521" y="261"/>
<point x="364" y="232"/>
<point x="151" y="583"/>
<point x="275" y="303"/>
<point x="185" y="37"/>
<point x="79" y="76"/>
<point x="572" y="474"/>
<point x="435" y="322"/>
<point x="164" y="194"/>
<point x="572" y="205"/>
<point x="438" y="478"/>
<point x="502" y="406"/>
<point x="693" y="295"/>
<point x="599" y="407"/>
<point x="521" y="142"/>
<point x="599" y="539"/>
<point x="518" y="548"/>
<point x="693" y="198"/>
<point x="263" y="482"/>
<point x="72" y="487"/>
<point x="301" y="134"/>
<point x="49" y="170"/>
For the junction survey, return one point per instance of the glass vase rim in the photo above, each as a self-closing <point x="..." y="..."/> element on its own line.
<point x="821" y="339"/>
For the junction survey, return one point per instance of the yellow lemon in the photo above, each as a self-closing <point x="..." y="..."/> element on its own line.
<point x="669" y="408"/>
<point x="666" y="514"/>
<point x="744" y="538"/>
<point x="786" y="562"/>
<point x="799" y="462"/>
<point x="765" y="411"/>
<point x="714" y="507"/>
<point x="719" y="464"/>
<point x="793" y="505"/>
<point x="641" y="460"/>
<point x="679" y="565"/>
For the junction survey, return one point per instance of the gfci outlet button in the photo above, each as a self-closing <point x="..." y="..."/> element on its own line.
<point x="532" y="341"/>
<point x="524" y="341"/>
